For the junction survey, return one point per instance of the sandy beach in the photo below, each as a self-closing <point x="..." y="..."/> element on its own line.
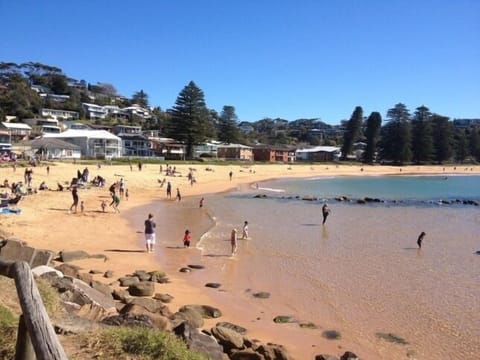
<point x="45" y="222"/>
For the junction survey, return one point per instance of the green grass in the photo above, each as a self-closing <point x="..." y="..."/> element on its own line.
<point x="8" y="331"/>
<point x="50" y="297"/>
<point x="138" y="343"/>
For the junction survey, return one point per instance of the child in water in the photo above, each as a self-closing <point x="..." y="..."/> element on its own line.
<point x="186" y="238"/>
<point x="233" y="241"/>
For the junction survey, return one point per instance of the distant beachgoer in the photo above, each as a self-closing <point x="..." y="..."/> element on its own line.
<point x="325" y="212"/>
<point x="187" y="238"/>
<point x="112" y="188"/>
<point x="179" y="196"/>
<point x="201" y="203"/>
<point x="245" y="230"/>
<point x="233" y="241"/>
<point x="126" y="194"/>
<point x="103" y="205"/>
<point x="121" y="188"/>
<point x="82" y="206"/>
<point x="150" y="233"/>
<point x="230" y="174"/>
<point x="75" y="199"/>
<point x="115" y="202"/>
<point x="48" y="170"/>
<point x="169" y="190"/>
<point x="420" y="239"/>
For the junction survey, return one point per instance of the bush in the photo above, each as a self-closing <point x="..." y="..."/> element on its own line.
<point x="142" y="343"/>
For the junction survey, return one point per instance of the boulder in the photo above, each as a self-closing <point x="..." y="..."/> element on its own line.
<point x="67" y="256"/>
<point x="197" y="267"/>
<point x="128" y="320"/>
<point x="348" y="355"/>
<point x="325" y="357"/>
<point x="144" y="288"/>
<point x="165" y="298"/>
<point x="192" y="317"/>
<point x="237" y="328"/>
<point x="261" y="295"/>
<point x="69" y="269"/>
<point x="142" y="275"/>
<point x="108" y="274"/>
<point x="331" y="334"/>
<point x="247" y="354"/>
<point x="185" y="270"/>
<point x="273" y="352"/>
<point x="152" y="305"/>
<point x="207" y="311"/>
<point x="121" y="294"/>
<point x="85" y="277"/>
<point x="44" y="269"/>
<point x="228" y="338"/>
<point x="103" y="288"/>
<point x="16" y="250"/>
<point x="158" y="321"/>
<point x="199" y="342"/>
<point x="128" y="280"/>
<point x="213" y="285"/>
<point x="280" y="319"/>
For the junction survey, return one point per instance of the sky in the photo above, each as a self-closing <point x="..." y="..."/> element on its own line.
<point x="267" y="58"/>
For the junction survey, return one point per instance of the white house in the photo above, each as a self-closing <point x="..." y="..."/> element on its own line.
<point x="319" y="153"/>
<point x="93" y="143"/>
<point x="59" y="114"/>
<point x="95" y="111"/>
<point x="48" y="148"/>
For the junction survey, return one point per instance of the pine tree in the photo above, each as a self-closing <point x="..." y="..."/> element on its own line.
<point x="422" y="146"/>
<point x="442" y="138"/>
<point x="396" y="135"/>
<point x="227" y="125"/>
<point x="189" y="117"/>
<point x="352" y="132"/>
<point x="372" y="133"/>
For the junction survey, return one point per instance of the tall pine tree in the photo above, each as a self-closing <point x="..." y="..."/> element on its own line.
<point x="372" y="132"/>
<point x="422" y="146"/>
<point x="227" y="125"/>
<point x="189" y="121"/>
<point x="442" y="138"/>
<point x="396" y="135"/>
<point x="352" y="132"/>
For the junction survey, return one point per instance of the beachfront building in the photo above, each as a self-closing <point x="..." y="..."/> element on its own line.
<point x="16" y="131"/>
<point x="127" y="129"/>
<point x="58" y="114"/>
<point x="206" y="150"/>
<point x="319" y="153"/>
<point x="47" y="149"/>
<point x="168" y="149"/>
<point x="235" y="152"/>
<point x="43" y="126"/>
<point x="98" y="144"/>
<point x="135" y="145"/>
<point x="94" y="111"/>
<point x="273" y="154"/>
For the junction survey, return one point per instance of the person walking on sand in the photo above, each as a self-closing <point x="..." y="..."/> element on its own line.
<point x="230" y="174"/>
<point x="115" y="202"/>
<point x="179" y="196"/>
<point x="325" y="213"/>
<point x="75" y="199"/>
<point x="245" y="230"/>
<point x="233" y="241"/>
<point x="103" y="205"/>
<point x="200" y="204"/>
<point x="169" y="190"/>
<point x="420" y="239"/>
<point x="187" y="238"/>
<point x="150" y="233"/>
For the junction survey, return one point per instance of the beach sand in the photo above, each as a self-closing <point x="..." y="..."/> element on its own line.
<point x="45" y="222"/>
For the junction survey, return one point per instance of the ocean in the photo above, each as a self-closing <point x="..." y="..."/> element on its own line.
<point x="361" y="273"/>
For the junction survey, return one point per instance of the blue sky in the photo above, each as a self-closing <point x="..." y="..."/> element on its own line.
<point x="270" y="58"/>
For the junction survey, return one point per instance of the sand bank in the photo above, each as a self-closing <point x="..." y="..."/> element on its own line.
<point x="46" y="223"/>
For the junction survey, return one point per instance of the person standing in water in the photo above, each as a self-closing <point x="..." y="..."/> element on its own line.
<point x="420" y="239"/>
<point x="150" y="233"/>
<point x="245" y="230"/>
<point x="233" y="241"/>
<point x="325" y="213"/>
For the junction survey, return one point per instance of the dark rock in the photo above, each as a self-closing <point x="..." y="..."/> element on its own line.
<point x="165" y="298"/>
<point x="142" y="275"/>
<point x="273" y="352"/>
<point x="197" y="267"/>
<point x="144" y="288"/>
<point x="280" y="319"/>
<point x="325" y="357"/>
<point x="341" y="198"/>
<point x="105" y="289"/>
<point x="158" y="321"/>
<point x="247" y="354"/>
<point x="228" y="338"/>
<point x="67" y="256"/>
<point x="213" y="285"/>
<point x="237" y="328"/>
<point x="361" y="201"/>
<point x="196" y="341"/>
<point x="392" y="338"/>
<point x="128" y="320"/>
<point x="129" y="280"/>
<point x="477" y="252"/>
<point x="331" y="334"/>
<point x="348" y="355"/>
<point x="192" y="317"/>
<point x="308" y="325"/>
<point x="185" y="270"/>
<point x="262" y="295"/>
<point x="95" y="272"/>
<point x="207" y="311"/>
<point x="309" y="198"/>
<point x="152" y="305"/>
<point x="69" y="269"/>
<point x="260" y="196"/>
<point x="108" y="274"/>
<point x="158" y="276"/>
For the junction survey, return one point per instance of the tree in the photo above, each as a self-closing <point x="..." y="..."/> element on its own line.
<point x="461" y="145"/>
<point x="422" y="146"/>
<point x="442" y="138"/>
<point x="140" y="98"/>
<point x="372" y="133"/>
<point x="227" y="125"/>
<point x="396" y="135"/>
<point x="352" y="132"/>
<point x="189" y="117"/>
<point x="474" y="143"/>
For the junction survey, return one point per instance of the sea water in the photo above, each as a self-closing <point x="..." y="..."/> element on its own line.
<point x="361" y="273"/>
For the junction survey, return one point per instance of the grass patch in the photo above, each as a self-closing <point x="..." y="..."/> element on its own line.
<point x="49" y="297"/>
<point x="141" y="343"/>
<point x="8" y="331"/>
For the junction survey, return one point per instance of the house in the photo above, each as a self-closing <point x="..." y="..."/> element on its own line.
<point x="319" y="153"/>
<point x="5" y="144"/>
<point x="99" y="144"/>
<point x="59" y="114"/>
<point x="16" y="131"/>
<point x="235" y="152"/>
<point x="137" y="110"/>
<point x="167" y="148"/>
<point x="127" y="129"/>
<point x="48" y="148"/>
<point x="94" y="111"/>
<point x="74" y="125"/>
<point x="206" y="150"/>
<point x="273" y="154"/>
<point x="43" y="126"/>
<point x="135" y="145"/>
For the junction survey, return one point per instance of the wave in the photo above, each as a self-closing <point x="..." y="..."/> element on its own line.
<point x="272" y="189"/>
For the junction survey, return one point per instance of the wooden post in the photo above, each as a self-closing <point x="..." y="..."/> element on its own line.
<point x="24" y="348"/>
<point x="42" y="335"/>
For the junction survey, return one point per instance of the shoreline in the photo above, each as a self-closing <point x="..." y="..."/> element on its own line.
<point x="121" y="233"/>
